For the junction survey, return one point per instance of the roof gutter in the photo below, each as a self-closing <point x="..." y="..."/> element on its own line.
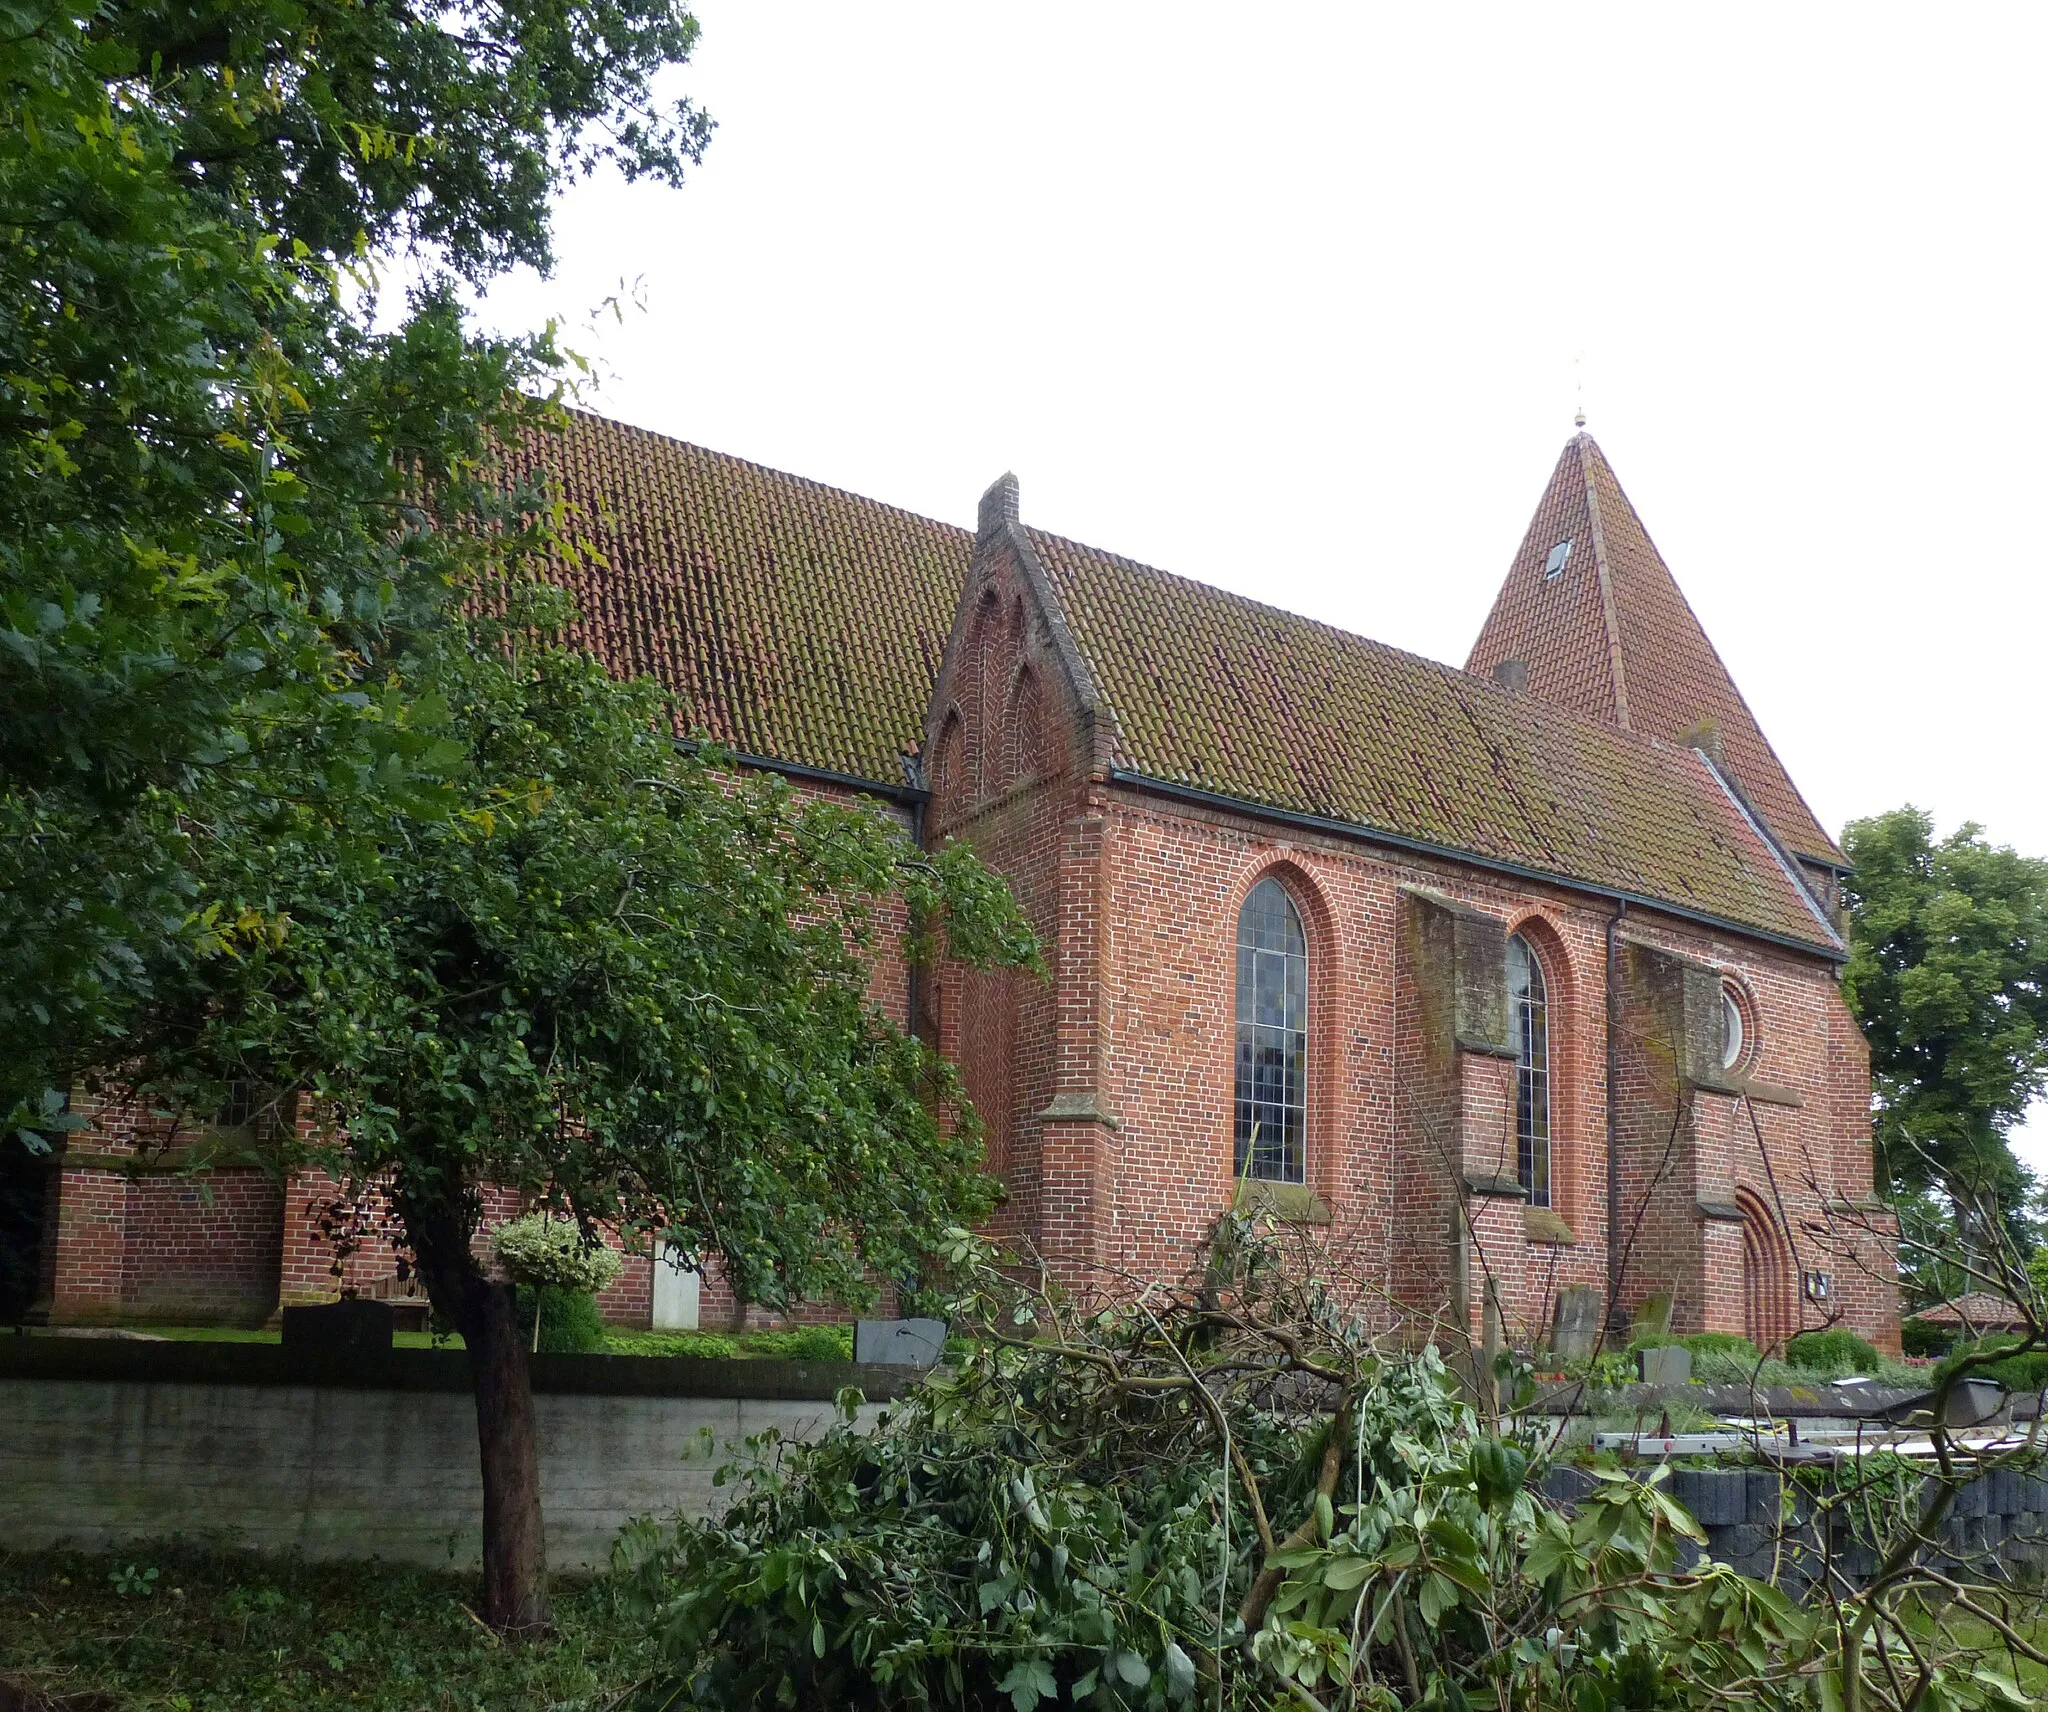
<point x="908" y="796"/>
<point x="1833" y="953"/>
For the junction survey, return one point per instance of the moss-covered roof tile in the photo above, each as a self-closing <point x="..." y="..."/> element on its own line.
<point x="1221" y="694"/>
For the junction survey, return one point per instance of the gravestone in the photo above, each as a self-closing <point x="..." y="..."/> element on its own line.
<point x="899" y="1343"/>
<point x="1575" y="1325"/>
<point x="348" y="1326"/>
<point x="1664" y="1364"/>
<point x="1653" y="1316"/>
<point x="677" y="1289"/>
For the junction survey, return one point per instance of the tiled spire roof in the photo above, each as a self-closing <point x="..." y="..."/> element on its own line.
<point x="1216" y="693"/>
<point x="1610" y="635"/>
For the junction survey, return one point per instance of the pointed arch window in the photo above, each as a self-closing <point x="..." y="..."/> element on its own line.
<point x="1529" y="1008"/>
<point x="1272" y="1037"/>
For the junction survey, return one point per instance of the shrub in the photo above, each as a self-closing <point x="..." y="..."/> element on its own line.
<point x="1923" y="1337"/>
<point x="1718" y="1358"/>
<point x="700" y="1346"/>
<point x="2027" y="1372"/>
<point x="1832" y="1351"/>
<point x="569" y="1321"/>
<point x="538" y="1249"/>
<point x="1721" y="1343"/>
<point x="805" y="1343"/>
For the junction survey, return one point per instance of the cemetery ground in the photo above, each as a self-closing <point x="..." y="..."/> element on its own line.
<point x="179" y="1627"/>
<point x="185" y="1628"/>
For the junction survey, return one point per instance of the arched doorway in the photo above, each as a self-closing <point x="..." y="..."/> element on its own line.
<point x="1768" y="1311"/>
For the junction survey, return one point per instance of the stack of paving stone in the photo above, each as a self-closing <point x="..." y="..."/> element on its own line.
<point x="1763" y="1526"/>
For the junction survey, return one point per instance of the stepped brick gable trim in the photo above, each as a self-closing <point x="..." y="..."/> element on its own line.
<point x="1611" y="635"/>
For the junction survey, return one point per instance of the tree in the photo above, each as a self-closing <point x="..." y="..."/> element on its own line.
<point x="1948" y="974"/>
<point x="268" y="807"/>
<point x="209" y="464"/>
<point x="620" y="980"/>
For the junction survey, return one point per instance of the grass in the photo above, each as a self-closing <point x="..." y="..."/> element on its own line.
<point x="184" y="1628"/>
<point x="174" y="1628"/>
<point x="805" y="1343"/>
<point x="243" y="1334"/>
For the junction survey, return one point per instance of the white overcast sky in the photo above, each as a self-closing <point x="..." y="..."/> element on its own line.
<point x="1300" y="300"/>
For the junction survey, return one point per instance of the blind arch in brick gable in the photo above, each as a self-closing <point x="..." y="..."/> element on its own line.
<point x="1024" y="732"/>
<point x="949" y="760"/>
<point x="991" y="652"/>
<point x="1770" y="1275"/>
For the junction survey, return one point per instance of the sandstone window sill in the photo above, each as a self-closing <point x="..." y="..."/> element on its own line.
<point x="1290" y="1203"/>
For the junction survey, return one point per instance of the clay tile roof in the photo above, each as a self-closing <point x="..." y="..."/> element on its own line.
<point x="1981" y="1312"/>
<point x="1612" y="636"/>
<point x="790" y="620"/>
<point x="804" y="625"/>
<point x="1213" y="692"/>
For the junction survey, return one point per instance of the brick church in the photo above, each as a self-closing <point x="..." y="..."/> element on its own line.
<point x="1494" y="981"/>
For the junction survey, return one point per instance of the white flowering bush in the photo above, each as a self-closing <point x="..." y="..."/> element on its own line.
<point x="548" y="1252"/>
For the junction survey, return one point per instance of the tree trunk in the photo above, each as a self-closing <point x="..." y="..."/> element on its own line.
<point x="515" y="1595"/>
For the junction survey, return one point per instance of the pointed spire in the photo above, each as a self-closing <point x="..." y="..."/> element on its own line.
<point x="1595" y="613"/>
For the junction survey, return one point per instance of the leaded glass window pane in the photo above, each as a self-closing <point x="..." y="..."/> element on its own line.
<point x="1272" y="1037"/>
<point x="1530" y="1018"/>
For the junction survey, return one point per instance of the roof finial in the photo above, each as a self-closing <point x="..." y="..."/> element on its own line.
<point x="1579" y="389"/>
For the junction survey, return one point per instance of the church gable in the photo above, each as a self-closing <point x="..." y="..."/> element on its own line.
<point x="1591" y="618"/>
<point x="1014" y="700"/>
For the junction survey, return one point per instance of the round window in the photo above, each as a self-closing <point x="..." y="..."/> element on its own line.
<point x="1732" y="1041"/>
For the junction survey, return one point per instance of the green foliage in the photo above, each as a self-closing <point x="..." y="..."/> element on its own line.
<point x="343" y="127"/>
<point x="539" y="1249"/>
<point x="1722" y="1344"/>
<point x="803" y="1343"/>
<point x="619" y="980"/>
<point x="698" y="1346"/>
<point x="1700" y="1343"/>
<point x="973" y="1552"/>
<point x="238" y="1632"/>
<point x="130" y="1580"/>
<point x="2022" y="1373"/>
<point x="569" y="1321"/>
<point x="277" y="806"/>
<point x="1920" y="1337"/>
<point x="1948" y="975"/>
<point x="1069" y="1519"/>
<point x="211" y="465"/>
<point x="1832" y="1351"/>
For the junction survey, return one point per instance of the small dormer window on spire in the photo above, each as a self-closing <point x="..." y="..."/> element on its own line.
<point x="1560" y="556"/>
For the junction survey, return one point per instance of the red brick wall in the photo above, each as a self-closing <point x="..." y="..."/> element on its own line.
<point x="202" y="1249"/>
<point x="1107" y="1090"/>
<point x="129" y="1234"/>
<point x="1137" y="898"/>
<point x="1004" y="779"/>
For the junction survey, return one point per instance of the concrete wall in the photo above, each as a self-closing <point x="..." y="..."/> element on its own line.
<point x="356" y="1471"/>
